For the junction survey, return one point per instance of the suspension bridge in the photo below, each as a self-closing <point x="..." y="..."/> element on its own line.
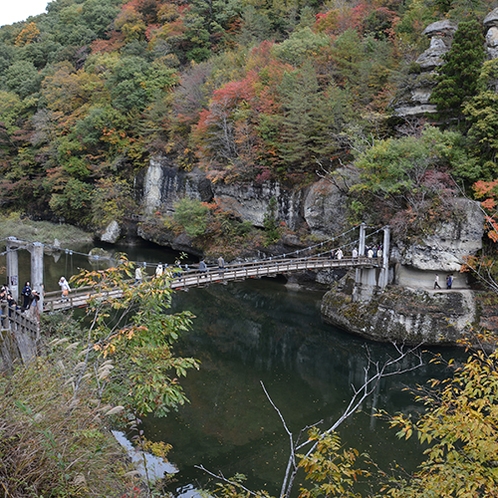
<point x="335" y="253"/>
<point x="181" y="279"/>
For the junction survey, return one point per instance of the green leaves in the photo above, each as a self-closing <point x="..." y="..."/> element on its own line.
<point x="137" y="333"/>
<point x="192" y="215"/>
<point x="458" y="76"/>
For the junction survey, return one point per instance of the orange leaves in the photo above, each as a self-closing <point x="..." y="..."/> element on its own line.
<point x="29" y="34"/>
<point x="489" y="192"/>
<point x="488" y="204"/>
<point x="483" y="189"/>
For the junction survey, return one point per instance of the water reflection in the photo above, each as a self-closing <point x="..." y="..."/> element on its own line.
<point x="245" y="333"/>
<point x="256" y="331"/>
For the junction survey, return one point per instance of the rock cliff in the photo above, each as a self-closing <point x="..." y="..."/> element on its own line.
<point x="319" y="207"/>
<point x="414" y="97"/>
<point x="402" y="315"/>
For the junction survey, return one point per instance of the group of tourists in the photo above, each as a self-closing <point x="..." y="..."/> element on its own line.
<point x="449" y="281"/>
<point x="370" y="252"/>
<point x="28" y="297"/>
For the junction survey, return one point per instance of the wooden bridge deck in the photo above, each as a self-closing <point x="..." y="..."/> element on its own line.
<point x="185" y="279"/>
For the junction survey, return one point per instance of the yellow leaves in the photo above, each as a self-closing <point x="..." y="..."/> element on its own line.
<point x="109" y="349"/>
<point x="28" y="34"/>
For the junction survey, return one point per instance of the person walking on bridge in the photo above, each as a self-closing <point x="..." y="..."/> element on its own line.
<point x="221" y="264"/>
<point x="65" y="289"/>
<point x="202" y="266"/>
<point x="138" y="275"/>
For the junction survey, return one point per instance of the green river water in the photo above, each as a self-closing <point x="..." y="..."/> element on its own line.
<point x="253" y="332"/>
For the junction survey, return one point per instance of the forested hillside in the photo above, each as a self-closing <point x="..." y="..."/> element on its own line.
<point x="246" y="90"/>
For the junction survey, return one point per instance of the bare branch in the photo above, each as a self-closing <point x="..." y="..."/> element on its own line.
<point x="221" y="477"/>
<point x="374" y="372"/>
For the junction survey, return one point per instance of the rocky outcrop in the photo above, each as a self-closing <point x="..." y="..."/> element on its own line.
<point x="491" y="24"/>
<point x="409" y="316"/>
<point x="445" y="248"/>
<point x="162" y="184"/>
<point x="414" y="101"/>
<point x="411" y="311"/>
<point x="319" y="207"/>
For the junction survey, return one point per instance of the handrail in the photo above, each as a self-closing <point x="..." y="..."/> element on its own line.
<point x="12" y="318"/>
<point x="185" y="278"/>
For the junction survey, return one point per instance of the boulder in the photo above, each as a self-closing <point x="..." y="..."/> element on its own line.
<point x="111" y="233"/>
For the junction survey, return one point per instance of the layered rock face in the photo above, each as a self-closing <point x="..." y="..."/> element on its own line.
<point x="415" y="100"/>
<point x="319" y="207"/>
<point x="445" y="248"/>
<point x="403" y="315"/>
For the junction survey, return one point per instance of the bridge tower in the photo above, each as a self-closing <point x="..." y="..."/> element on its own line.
<point x="36" y="251"/>
<point x="368" y="281"/>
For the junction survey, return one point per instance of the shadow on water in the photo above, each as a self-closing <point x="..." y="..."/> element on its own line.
<point x="260" y="331"/>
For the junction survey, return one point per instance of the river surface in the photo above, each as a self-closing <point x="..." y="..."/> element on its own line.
<point x="249" y="333"/>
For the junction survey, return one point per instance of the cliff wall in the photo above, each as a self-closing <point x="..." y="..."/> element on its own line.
<point x="319" y="207"/>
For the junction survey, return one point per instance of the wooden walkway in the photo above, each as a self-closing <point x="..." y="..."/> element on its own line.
<point x="19" y="334"/>
<point x="185" y="279"/>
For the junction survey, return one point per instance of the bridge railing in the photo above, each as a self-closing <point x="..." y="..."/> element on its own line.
<point x="19" y="334"/>
<point x="258" y="269"/>
<point x="183" y="278"/>
<point x="12" y="318"/>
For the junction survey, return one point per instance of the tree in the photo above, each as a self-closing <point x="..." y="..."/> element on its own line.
<point x="192" y="215"/>
<point x="408" y="178"/>
<point x="480" y="112"/>
<point x="460" y="425"/>
<point x="134" y="333"/>
<point x="457" y="79"/>
<point x="118" y="365"/>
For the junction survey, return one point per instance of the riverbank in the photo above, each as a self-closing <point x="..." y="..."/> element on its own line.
<point x="14" y="225"/>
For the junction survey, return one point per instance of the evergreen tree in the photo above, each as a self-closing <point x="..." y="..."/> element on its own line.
<point x="457" y="79"/>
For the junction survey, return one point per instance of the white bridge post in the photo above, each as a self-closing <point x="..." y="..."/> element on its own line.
<point x="37" y="270"/>
<point x="368" y="281"/>
<point x="13" y="266"/>
<point x="384" y="273"/>
<point x="361" y="244"/>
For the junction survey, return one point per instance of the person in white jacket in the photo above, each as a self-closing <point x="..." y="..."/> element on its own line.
<point x="65" y="289"/>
